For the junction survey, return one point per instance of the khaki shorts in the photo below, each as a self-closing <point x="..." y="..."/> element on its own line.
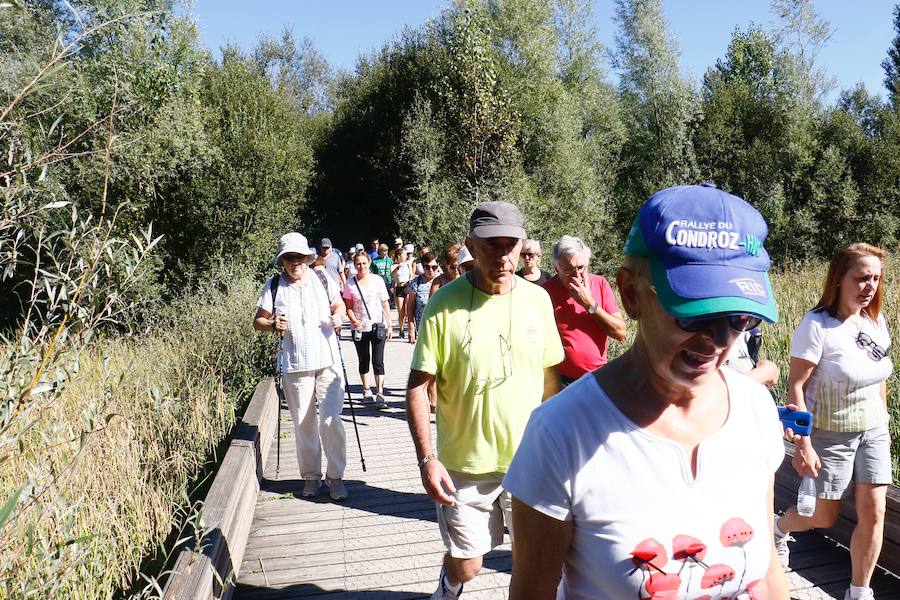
<point x="474" y="526"/>
<point x="860" y="456"/>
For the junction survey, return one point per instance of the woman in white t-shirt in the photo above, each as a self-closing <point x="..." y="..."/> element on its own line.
<point x="653" y="476"/>
<point x="366" y="297"/>
<point x="839" y="369"/>
<point x="400" y="274"/>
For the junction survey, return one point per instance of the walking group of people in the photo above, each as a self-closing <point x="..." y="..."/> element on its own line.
<point x="649" y="475"/>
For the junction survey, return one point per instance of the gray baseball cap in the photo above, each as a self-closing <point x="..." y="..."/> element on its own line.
<point x="326" y="243"/>
<point x="497" y="219"/>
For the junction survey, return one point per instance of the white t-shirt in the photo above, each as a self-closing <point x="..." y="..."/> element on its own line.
<point x="310" y="343"/>
<point x="629" y="491"/>
<point x="844" y="391"/>
<point x="375" y="294"/>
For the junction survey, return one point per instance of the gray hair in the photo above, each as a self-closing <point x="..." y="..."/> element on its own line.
<point x="569" y="245"/>
<point x="533" y="245"/>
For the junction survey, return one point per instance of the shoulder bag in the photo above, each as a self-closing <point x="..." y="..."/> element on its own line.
<point x="380" y="329"/>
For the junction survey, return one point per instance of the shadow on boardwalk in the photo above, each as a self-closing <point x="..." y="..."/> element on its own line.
<point x="309" y="590"/>
<point x="363" y="497"/>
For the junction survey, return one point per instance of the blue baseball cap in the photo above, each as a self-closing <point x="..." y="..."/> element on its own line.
<point x="706" y="253"/>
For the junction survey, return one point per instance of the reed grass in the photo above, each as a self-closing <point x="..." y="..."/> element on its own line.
<point x="166" y="399"/>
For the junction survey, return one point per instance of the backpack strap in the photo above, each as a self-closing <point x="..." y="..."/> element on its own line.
<point x="273" y="286"/>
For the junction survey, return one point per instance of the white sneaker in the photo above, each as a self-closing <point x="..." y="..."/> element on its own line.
<point x="311" y="488"/>
<point x="869" y="594"/>
<point x="368" y="398"/>
<point x="443" y="592"/>
<point x="336" y="489"/>
<point x="783" y="551"/>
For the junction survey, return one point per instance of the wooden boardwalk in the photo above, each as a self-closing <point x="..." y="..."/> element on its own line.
<point x="383" y="542"/>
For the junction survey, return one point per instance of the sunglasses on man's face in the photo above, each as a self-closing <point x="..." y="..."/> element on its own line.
<point x="739" y="323"/>
<point x="291" y="257"/>
<point x="529" y="254"/>
<point x="431" y="267"/>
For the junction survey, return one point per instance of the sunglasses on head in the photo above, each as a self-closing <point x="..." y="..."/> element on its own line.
<point x="739" y="323"/>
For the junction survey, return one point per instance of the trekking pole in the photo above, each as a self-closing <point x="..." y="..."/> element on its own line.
<point x="352" y="410"/>
<point x="279" y="391"/>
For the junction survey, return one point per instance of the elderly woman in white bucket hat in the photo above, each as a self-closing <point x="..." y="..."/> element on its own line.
<point x="305" y="310"/>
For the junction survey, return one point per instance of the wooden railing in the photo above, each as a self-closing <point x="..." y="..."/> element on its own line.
<point x="786" y="483"/>
<point x="208" y="570"/>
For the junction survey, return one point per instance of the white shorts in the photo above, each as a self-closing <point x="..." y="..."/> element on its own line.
<point x="474" y="526"/>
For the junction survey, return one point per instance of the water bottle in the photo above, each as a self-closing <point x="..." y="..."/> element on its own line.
<point x="806" y="496"/>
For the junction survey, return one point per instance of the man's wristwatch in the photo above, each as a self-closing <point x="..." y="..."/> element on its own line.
<point x="426" y="458"/>
<point x="592" y="309"/>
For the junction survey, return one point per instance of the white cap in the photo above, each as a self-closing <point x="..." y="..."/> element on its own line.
<point x="464" y="256"/>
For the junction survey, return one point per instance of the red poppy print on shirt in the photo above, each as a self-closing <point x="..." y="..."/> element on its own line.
<point x="650" y="557"/>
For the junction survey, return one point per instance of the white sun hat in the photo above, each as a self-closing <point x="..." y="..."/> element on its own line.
<point x="464" y="256"/>
<point x="294" y="242"/>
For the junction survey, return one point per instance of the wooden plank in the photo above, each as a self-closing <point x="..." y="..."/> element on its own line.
<point x="208" y="571"/>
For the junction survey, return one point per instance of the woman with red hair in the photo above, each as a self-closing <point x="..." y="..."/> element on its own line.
<point x="838" y="372"/>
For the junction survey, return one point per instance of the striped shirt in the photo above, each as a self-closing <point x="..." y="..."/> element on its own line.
<point x="844" y="391"/>
<point x="310" y="343"/>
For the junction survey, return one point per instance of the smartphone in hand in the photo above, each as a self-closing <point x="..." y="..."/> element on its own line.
<point x="798" y="421"/>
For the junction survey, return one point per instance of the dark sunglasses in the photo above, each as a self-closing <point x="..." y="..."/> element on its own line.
<point x="432" y="267"/>
<point x="739" y="323"/>
<point x="291" y="257"/>
<point x="529" y="254"/>
<point x="876" y="352"/>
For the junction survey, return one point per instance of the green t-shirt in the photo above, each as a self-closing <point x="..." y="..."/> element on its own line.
<point x="489" y="367"/>
<point x="382" y="267"/>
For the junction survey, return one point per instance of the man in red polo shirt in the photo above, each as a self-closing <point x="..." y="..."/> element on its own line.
<point x="585" y="309"/>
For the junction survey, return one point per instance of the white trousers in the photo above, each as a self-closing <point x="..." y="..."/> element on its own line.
<point x="303" y="391"/>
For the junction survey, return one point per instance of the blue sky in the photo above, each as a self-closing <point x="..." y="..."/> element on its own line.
<point x="343" y="29"/>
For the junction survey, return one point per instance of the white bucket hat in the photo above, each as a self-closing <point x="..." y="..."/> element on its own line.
<point x="409" y="248"/>
<point x="294" y="242"/>
<point x="464" y="256"/>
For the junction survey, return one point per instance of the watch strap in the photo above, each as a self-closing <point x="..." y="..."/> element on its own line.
<point x="426" y="458"/>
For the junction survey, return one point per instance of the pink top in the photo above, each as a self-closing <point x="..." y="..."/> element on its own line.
<point x="584" y="341"/>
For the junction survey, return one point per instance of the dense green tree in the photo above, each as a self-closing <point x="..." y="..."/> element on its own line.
<point x="492" y="100"/>
<point x="241" y="182"/>
<point x="659" y="107"/>
<point x="743" y="140"/>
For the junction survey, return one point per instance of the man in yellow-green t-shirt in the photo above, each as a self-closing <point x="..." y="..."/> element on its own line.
<point x="489" y="343"/>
